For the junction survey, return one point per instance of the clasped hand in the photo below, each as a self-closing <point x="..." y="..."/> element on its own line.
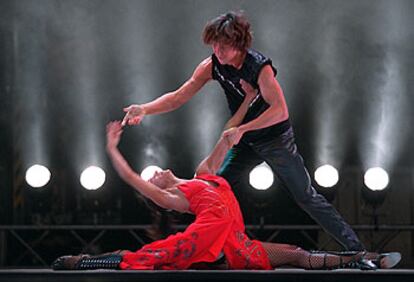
<point x="134" y="115"/>
<point x="233" y="136"/>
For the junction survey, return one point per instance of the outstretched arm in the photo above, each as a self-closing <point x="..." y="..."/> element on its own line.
<point x="159" y="196"/>
<point x="172" y="100"/>
<point x="212" y="162"/>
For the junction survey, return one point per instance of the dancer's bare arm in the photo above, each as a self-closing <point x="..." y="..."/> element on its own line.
<point x="277" y="112"/>
<point x="161" y="197"/>
<point x="238" y="117"/>
<point x="212" y="163"/>
<point x="172" y="100"/>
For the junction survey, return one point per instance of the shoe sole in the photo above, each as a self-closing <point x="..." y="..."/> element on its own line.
<point x="390" y="260"/>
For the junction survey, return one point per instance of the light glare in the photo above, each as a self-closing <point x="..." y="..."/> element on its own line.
<point x="92" y="178"/>
<point x="326" y="176"/>
<point x="261" y="177"/>
<point x="376" y="179"/>
<point x="37" y="176"/>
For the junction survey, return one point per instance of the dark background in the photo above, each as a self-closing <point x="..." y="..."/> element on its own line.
<point x="69" y="67"/>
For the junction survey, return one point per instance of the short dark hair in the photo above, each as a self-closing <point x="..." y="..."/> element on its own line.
<point x="231" y="28"/>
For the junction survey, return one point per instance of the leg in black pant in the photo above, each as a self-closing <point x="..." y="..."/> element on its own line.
<point x="282" y="156"/>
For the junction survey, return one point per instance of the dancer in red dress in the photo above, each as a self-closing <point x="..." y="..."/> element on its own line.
<point x="218" y="228"/>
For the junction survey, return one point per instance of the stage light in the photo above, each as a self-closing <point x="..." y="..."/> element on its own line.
<point x="261" y="177"/>
<point x="326" y="176"/>
<point x="37" y="176"/>
<point x="376" y="179"/>
<point x="149" y="171"/>
<point x="92" y="178"/>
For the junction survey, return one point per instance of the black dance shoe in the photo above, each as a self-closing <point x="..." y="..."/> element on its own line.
<point x="87" y="262"/>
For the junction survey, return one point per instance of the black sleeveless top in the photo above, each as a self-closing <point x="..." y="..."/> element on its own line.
<point x="229" y="77"/>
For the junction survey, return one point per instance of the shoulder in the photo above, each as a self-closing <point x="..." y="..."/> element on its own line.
<point x="266" y="72"/>
<point x="257" y="62"/>
<point x="256" y="57"/>
<point x="177" y="200"/>
<point x="203" y="69"/>
<point x="206" y="63"/>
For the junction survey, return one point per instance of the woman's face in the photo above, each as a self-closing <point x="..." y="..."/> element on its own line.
<point x="163" y="179"/>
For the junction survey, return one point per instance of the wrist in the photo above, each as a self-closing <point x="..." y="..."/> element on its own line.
<point x="110" y="148"/>
<point x="144" y="109"/>
<point x="246" y="101"/>
<point x="242" y="128"/>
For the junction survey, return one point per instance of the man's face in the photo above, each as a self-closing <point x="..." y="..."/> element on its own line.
<point x="225" y="53"/>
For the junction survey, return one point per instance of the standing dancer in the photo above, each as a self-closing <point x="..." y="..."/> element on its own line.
<point x="265" y="132"/>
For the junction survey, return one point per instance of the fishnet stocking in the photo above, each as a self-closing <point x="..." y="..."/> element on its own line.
<point x="283" y="254"/>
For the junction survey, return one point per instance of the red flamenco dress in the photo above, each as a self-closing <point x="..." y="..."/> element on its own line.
<point x="218" y="227"/>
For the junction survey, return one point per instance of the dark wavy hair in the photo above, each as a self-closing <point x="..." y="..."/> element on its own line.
<point x="231" y="28"/>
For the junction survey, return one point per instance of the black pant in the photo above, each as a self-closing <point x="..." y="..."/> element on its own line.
<point x="287" y="164"/>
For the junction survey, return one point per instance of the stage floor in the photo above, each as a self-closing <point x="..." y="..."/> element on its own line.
<point x="37" y="275"/>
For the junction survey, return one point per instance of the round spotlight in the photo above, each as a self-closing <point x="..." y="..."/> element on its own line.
<point x="149" y="171"/>
<point x="376" y="179"/>
<point x="92" y="178"/>
<point x="37" y="176"/>
<point x="261" y="177"/>
<point x="326" y="176"/>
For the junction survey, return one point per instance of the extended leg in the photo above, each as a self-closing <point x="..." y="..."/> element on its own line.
<point x="282" y="254"/>
<point x="284" y="159"/>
